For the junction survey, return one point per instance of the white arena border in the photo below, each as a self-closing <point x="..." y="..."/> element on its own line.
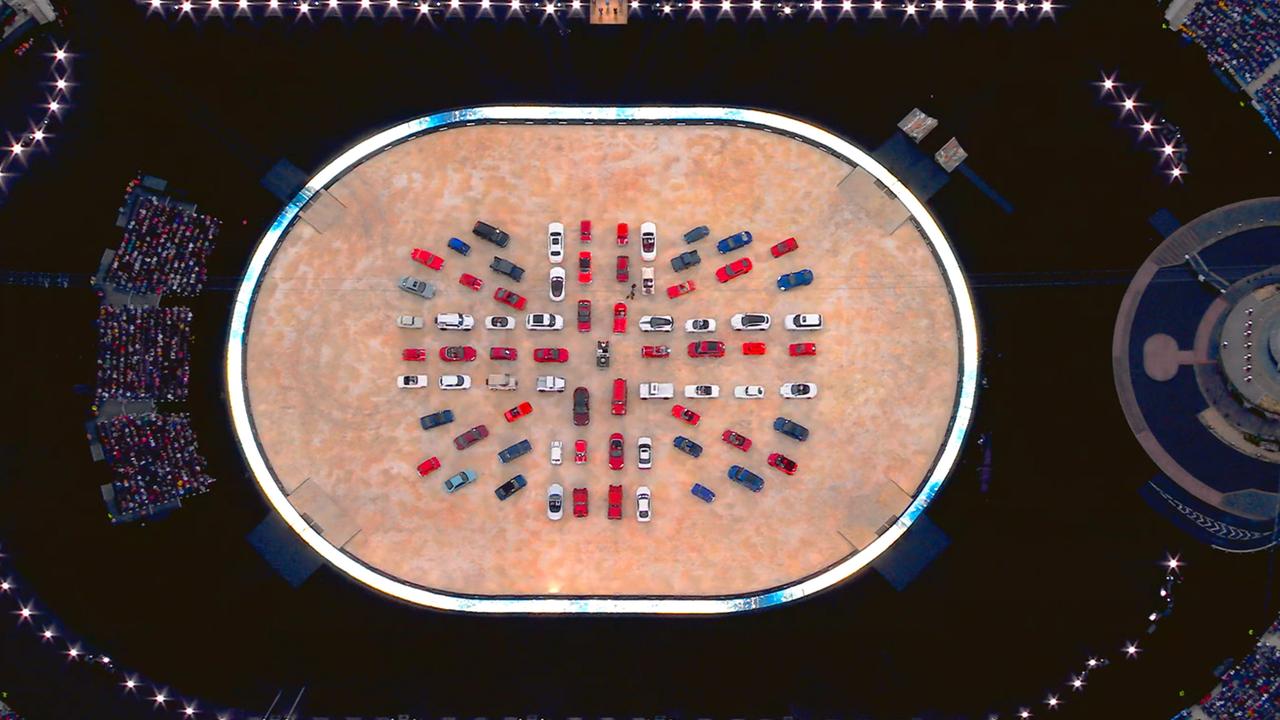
<point x="551" y="115"/>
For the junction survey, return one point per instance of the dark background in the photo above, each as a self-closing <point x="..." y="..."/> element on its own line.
<point x="1058" y="561"/>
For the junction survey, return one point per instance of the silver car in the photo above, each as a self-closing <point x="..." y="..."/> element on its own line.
<point x="656" y="323"/>
<point x="750" y="321"/>
<point x="414" y="286"/>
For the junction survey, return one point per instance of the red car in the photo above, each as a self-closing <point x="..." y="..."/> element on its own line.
<point x="431" y="463"/>
<point x="618" y="404"/>
<point x="733" y="270"/>
<point x="783" y="463"/>
<point x="502" y="353"/>
<point x="584" y="316"/>
<point x="506" y="297"/>
<point x="414" y="354"/>
<point x="431" y="260"/>
<point x="620" y="318"/>
<point x="623" y="235"/>
<point x="706" y="348"/>
<point x="584" y="231"/>
<point x="580" y="499"/>
<point x="683" y="413"/>
<point x="615" y="454"/>
<point x="784" y="247"/>
<point x="471" y="281"/>
<point x="615" y="502"/>
<point x="736" y="440"/>
<point x="655" y="351"/>
<point x="798" y="349"/>
<point x="545" y="355"/>
<point x="579" y="452"/>
<point x="753" y="348"/>
<point x="584" y="267"/>
<point x="683" y="288"/>
<point x="518" y="412"/>
<point x="624" y="269"/>
<point x="458" y="353"/>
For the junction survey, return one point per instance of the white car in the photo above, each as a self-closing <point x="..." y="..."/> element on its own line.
<point x="750" y="321"/>
<point x="644" y="453"/>
<point x="555" y="502"/>
<point x="646" y="281"/>
<point x="454" y="321"/>
<point x="702" y="391"/>
<point x="643" y="510"/>
<point x="555" y="242"/>
<point x="543" y="321"/>
<point x="700" y="325"/>
<point x="455" y="382"/>
<point x="804" y="321"/>
<point x="557" y="284"/>
<point x="657" y="391"/>
<point x="550" y="383"/>
<point x="748" y="392"/>
<point x="799" y="391"/>
<point x="656" y="323"/>
<point x="412" y="322"/>
<point x="499" y="322"/>
<point x="557" y="452"/>
<point x="648" y="241"/>
<point x="411" y="381"/>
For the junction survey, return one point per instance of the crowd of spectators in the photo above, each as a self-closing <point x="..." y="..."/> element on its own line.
<point x="165" y="249"/>
<point x="155" y="460"/>
<point x="143" y="352"/>
<point x="1250" y="690"/>
<point x="1240" y="36"/>
<point x="1268" y="99"/>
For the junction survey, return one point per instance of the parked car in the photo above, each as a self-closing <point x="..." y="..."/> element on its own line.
<point x="550" y="383"/>
<point x="750" y="321"/>
<point x="550" y="355"/>
<point x="430" y="259"/>
<point x="746" y="478"/>
<point x="462" y="479"/>
<point x="506" y="267"/>
<point x="783" y="247"/>
<point x="656" y="323"/>
<point x="783" y="463"/>
<point x="584" y="231"/>
<point x="615" y="451"/>
<point x="802" y="349"/>
<point x="733" y="242"/>
<point x="460" y="247"/>
<point x="555" y="242"/>
<point x="618" y="405"/>
<point x="700" y="325"/>
<point x="499" y="322"/>
<point x="706" y="348"/>
<point x="510" y="487"/>
<point x="619" y="318"/>
<point x="681" y="412"/>
<point x="501" y="381"/>
<point x="457" y="353"/>
<point x="702" y="391"/>
<point x="581" y="407"/>
<point x="543" y="321"/>
<point x="411" y="381"/>
<point x="556" y="278"/>
<point x="455" y="382"/>
<point x="683" y="288"/>
<point x="657" y="391"/>
<point x="579" y="452"/>
<point x="697" y="234"/>
<point x="702" y="492"/>
<point x="742" y="442"/>
<point x="584" y="267"/>
<point x="471" y="437"/>
<point x="584" y="316"/>
<point x="602" y="354"/>
<point x="687" y="446"/>
<point x="791" y="429"/>
<point x="555" y="502"/>
<point x="644" y="509"/>
<point x="615" y="502"/>
<point x="648" y="241"/>
<point x="491" y="233"/>
<point x="518" y="412"/>
<point x="409" y="322"/>
<point x="414" y="286"/>
<point x="748" y="392"/>
<point x="798" y="391"/>
<point x="799" y="278"/>
<point x="753" y="348"/>
<point x="580" y="500"/>
<point x="413" y="354"/>
<point x="428" y="466"/>
<point x="436" y="419"/>
<point x="804" y="321"/>
<point x="623" y="272"/>
<point x="511" y="452"/>
<point x="737" y="268"/>
<point x="644" y="453"/>
<point x="470" y="281"/>
<point x="503" y="353"/>
<point x="685" y="260"/>
<point x="655" y="351"/>
<point x="646" y="280"/>
<point x="454" y="321"/>
<point x="557" y="452"/>
<point x="624" y="234"/>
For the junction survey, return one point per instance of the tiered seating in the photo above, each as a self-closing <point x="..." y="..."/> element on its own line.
<point x="1241" y="36"/>
<point x="1268" y="99"/>
<point x="156" y="461"/>
<point x="165" y="250"/>
<point x="1249" y="691"/>
<point x="143" y="352"/>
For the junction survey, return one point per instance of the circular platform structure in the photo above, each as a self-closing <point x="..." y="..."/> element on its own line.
<point x="314" y="352"/>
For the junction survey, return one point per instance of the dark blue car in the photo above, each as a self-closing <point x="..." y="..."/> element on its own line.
<point x="746" y="478"/>
<point x="510" y="487"/>
<point x="702" y="492"/>
<point x="791" y="429"/>
<point x="458" y="246"/>
<point x="444" y="417"/>
<point x="795" y="279"/>
<point x="515" y="451"/>
<point x="733" y="242"/>
<point x="687" y="446"/>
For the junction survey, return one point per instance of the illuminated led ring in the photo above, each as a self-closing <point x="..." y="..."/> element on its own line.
<point x="944" y="462"/>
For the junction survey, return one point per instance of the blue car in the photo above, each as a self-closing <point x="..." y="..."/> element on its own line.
<point x="702" y="492"/>
<point x="733" y="242"/>
<point x="687" y="446"/>
<point x="515" y="451"/>
<point x="746" y="478"/>
<point x="458" y="246"/>
<point x="444" y="417"/>
<point x="791" y="429"/>
<point x="795" y="279"/>
<point x="510" y="487"/>
<point x="466" y="477"/>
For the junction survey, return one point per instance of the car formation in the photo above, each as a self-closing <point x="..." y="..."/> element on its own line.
<point x="685" y="260"/>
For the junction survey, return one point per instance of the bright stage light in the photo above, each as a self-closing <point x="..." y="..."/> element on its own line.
<point x="1077" y="683"/>
<point x="155" y="5"/>
<point x="73" y="651"/>
<point x="160" y="698"/>
<point x="38" y="135"/>
<point x="911" y="10"/>
<point x="1024" y="713"/>
<point x="1052" y="701"/>
<point x="999" y="6"/>
<point x="1022" y="6"/>
<point x="188" y="711"/>
<point x="968" y="5"/>
<point x="47" y="634"/>
<point x="333" y="4"/>
<point x="1168" y="150"/>
<point x="847" y="6"/>
<point x="1131" y="649"/>
<point x="1173" y="562"/>
<point x="60" y="54"/>
<point x="244" y="4"/>
<point x="5" y="586"/>
<point x="130" y="683"/>
<point x="364" y="4"/>
<point x="16" y="148"/>
<point x="1046" y="6"/>
<point x="938" y="5"/>
<point x="1176" y="172"/>
<point x="1146" y="127"/>
<point x="1093" y="662"/>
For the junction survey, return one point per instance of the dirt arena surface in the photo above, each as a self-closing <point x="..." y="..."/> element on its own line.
<point x="323" y="353"/>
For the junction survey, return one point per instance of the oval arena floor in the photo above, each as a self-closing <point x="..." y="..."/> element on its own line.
<point x="323" y="353"/>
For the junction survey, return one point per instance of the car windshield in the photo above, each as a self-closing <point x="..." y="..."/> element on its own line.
<point x="584" y="263"/>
